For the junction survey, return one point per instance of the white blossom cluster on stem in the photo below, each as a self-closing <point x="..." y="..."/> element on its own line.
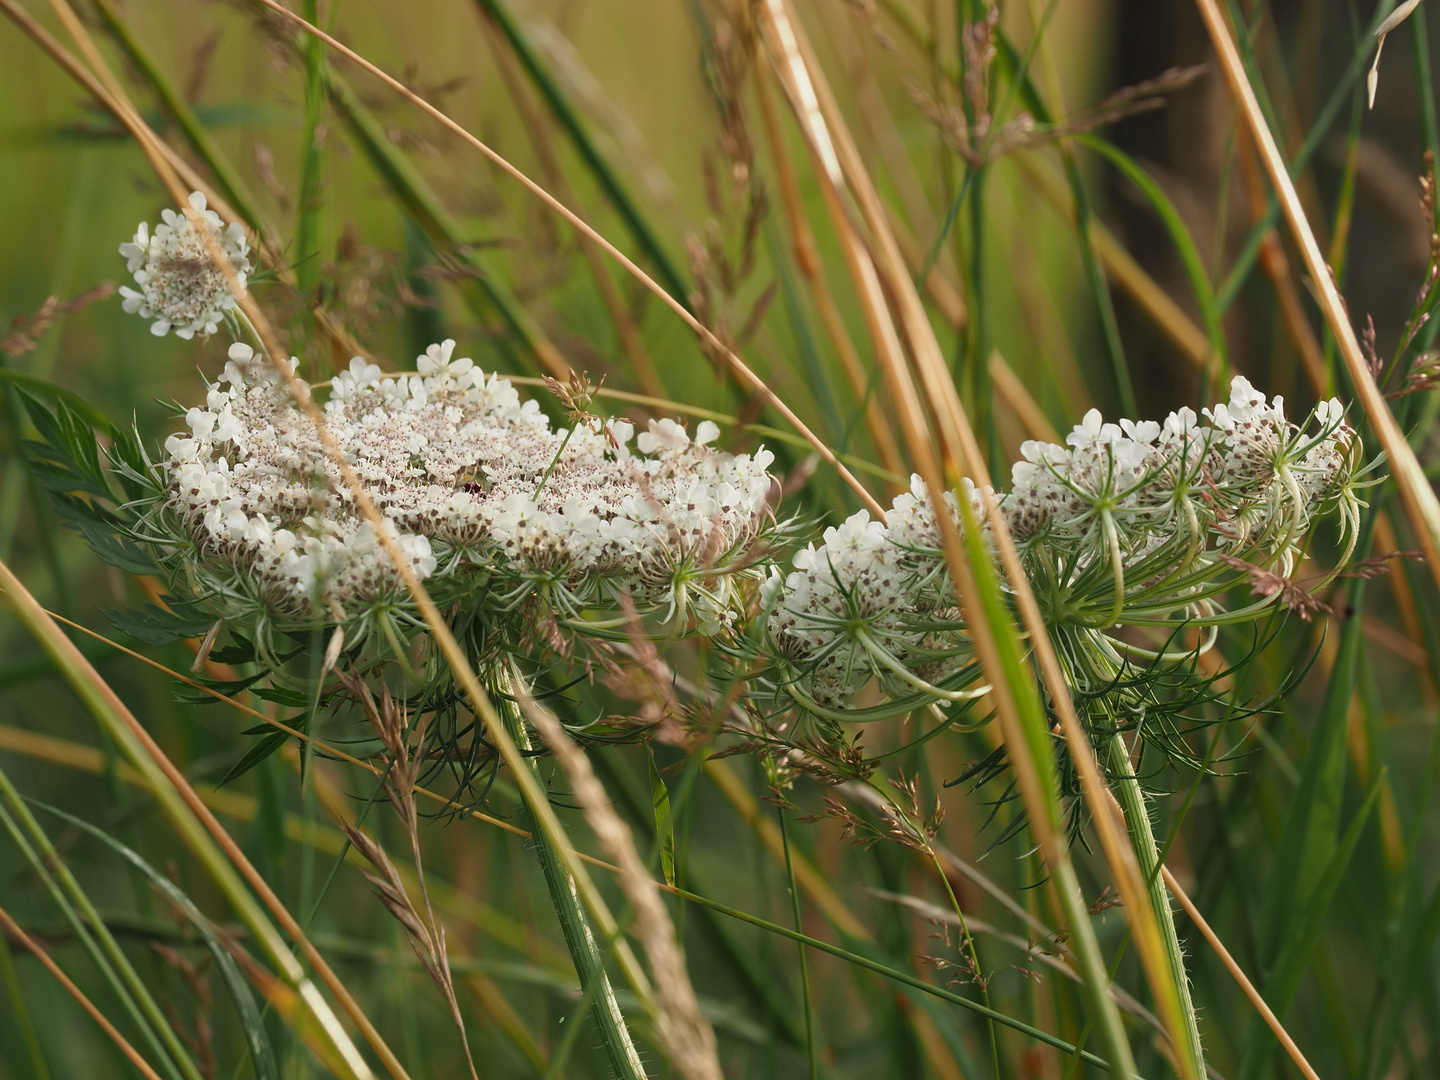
<point x="473" y="483"/>
<point x="180" y="287"/>
<point x="1127" y="524"/>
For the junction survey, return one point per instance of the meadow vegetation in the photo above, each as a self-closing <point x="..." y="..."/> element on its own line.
<point x="736" y="538"/>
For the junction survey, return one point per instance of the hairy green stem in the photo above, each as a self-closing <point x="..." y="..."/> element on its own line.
<point x="585" y="951"/>
<point x="1147" y="853"/>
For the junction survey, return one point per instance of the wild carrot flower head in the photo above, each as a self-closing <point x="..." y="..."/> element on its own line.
<point x="1137" y="523"/>
<point x="480" y="493"/>
<point x="180" y="287"/>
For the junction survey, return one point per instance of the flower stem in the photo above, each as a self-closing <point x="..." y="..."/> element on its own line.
<point x="585" y="951"/>
<point x="553" y="462"/>
<point x="1142" y="838"/>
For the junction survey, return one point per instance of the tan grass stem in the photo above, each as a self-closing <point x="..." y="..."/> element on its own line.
<point x="807" y="258"/>
<point x="962" y="452"/>
<point x="13" y="930"/>
<point x="1415" y="491"/>
<point x="1240" y="977"/>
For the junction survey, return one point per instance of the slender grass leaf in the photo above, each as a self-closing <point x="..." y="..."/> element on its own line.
<point x="1300" y="937"/>
<point x="664" y="827"/>
<point x="261" y="1053"/>
<point x="569" y="119"/>
<point x="1174" y="224"/>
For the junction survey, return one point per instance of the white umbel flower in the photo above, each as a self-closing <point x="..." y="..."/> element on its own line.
<point x="180" y="286"/>
<point x="474" y="484"/>
<point x="1135" y="523"/>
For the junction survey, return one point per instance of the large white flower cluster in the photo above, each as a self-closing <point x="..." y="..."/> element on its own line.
<point x="1124" y="524"/>
<point x="470" y="479"/>
<point x="181" y="288"/>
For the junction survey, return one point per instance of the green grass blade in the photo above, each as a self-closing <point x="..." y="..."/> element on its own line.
<point x="850" y="956"/>
<point x="1190" y="256"/>
<point x="1244" y="264"/>
<point x="102" y="703"/>
<point x="262" y="1056"/>
<point x="580" y="938"/>
<point x="665" y="270"/>
<point x="173" y="1058"/>
<point x="232" y="186"/>
<point x="767" y="995"/>
<point x="1299" y="940"/>
<point x="38" y="1065"/>
<point x="482" y="289"/>
<point x="1312" y="829"/>
<point x="311" y="202"/>
<point x="1124" y="386"/>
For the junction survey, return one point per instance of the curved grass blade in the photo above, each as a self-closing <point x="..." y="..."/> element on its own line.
<point x="262" y="1054"/>
<point x="90" y="930"/>
<point x="499" y="12"/>
<point x="1304" y="930"/>
<point x="197" y="826"/>
<point x="1244" y="264"/>
<point x="311" y="200"/>
<point x="9" y="926"/>
<point x="173" y="102"/>
<point x="482" y="290"/>
<point x="862" y="961"/>
<point x="1184" y="243"/>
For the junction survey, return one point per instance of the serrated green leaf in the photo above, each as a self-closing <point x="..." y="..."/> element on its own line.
<point x="81" y="441"/>
<point x="38" y="388"/>
<point x="255" y="755"/>
<point x="229" y="687"/>
<point x="283" y="696"/>
<point x="113" y="548"/>
<point x="130" y="465"/>
<point x="238" y="650"/>
<point x="57" y="474"/>
<point x="156" y="626"/>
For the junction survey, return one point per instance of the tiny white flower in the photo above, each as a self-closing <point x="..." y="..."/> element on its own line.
<point x="664" y="434"/>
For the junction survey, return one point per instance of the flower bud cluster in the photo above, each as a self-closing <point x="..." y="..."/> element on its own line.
<point x="471" y="480"/>
<point x="181" y="288"/>
<point x="1124" y="524"/>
